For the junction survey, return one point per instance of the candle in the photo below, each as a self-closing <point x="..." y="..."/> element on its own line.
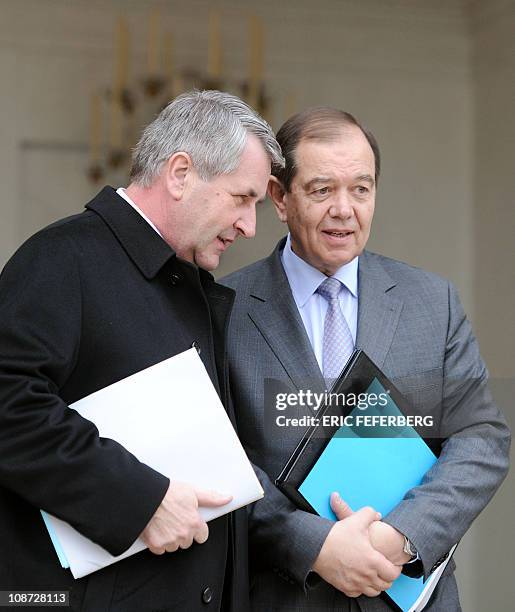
<point x="95" y="129"/>
<point x="153" y="43"/>
<point x="255" y="59"/>
<point x="214" y="56"/>
<point x="177" y="85"/>
<point x="169" y="57"/>
<point x="290" y="104"/>
<point x="121" y="55"/>
<point x="119" y="82"/>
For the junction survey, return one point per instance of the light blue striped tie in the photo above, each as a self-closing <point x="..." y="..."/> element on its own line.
<point x="338" y="342"/>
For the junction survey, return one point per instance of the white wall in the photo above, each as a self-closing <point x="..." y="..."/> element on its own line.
<point x="433" y="80"/>
<point x="403" y="67"/>
<point x="493" y="35"/>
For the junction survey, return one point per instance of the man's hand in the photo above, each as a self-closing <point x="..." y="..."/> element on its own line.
<point x="347" y="559"/>
<point x="177" y="521"/>
<point x="388" y="541"/>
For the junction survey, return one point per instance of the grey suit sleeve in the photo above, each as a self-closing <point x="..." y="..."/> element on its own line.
<point x="474" y="458"/>
<point x="285" y="538"/>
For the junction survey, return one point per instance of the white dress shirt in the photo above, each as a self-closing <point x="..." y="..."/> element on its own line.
<point x="304" y="280"/>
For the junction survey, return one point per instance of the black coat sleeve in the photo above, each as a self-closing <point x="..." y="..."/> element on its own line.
<point x="49" y="455"/>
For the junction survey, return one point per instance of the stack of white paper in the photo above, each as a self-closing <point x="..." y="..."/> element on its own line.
<point x="171" y="418"/>
<point x="431" y="583"/>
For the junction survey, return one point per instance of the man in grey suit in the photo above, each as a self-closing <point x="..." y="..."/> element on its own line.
<point x="410" y="323"/>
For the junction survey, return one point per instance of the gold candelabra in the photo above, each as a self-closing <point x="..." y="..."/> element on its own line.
<point x="117" y="111"/>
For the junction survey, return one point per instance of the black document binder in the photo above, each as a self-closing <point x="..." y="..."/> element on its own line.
<point x="355" y="378"/>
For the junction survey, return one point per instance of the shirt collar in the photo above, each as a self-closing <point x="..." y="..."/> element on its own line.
<point x="121" y="192"/>
<point x="304" y="279"/>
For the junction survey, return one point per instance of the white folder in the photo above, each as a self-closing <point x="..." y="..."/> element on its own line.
<point x="171" y="418"/>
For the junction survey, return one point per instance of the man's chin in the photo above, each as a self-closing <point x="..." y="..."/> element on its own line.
<point x="208" y="262"/>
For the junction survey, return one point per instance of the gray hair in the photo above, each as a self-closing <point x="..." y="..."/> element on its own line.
<point x="211" y="126"/>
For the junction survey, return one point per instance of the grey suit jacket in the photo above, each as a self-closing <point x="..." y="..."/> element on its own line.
<point x="412" y="325"/>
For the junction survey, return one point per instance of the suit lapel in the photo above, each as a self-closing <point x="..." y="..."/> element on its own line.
<point x="273" y="311"/>
<point x="379" y="309"/>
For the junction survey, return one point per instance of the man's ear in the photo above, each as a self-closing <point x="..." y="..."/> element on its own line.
<point x="277" y="194"/>
<point x="177" y="168"/>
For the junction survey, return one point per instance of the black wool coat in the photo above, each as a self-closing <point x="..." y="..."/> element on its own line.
<point x="85" y="302"/>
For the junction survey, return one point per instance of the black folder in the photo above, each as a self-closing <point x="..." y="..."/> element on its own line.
<point x="356" y="377"/>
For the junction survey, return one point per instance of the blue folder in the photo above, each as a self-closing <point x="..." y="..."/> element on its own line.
<point x="371" y="471"/>
<point x="366" y="465"/>
<point x="55" y="541"/>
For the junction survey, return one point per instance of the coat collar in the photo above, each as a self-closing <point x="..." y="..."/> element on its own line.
<point x="145" y="247"/>
<point x="273" y="311"/>
<point x="379" y="308"/>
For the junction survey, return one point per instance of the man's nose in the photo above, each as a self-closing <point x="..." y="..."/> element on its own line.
<point x="341" y="206"/>
<point x="246" y="223"/>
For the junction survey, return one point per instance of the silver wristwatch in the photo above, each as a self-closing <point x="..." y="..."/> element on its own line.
<point x="409" y="549"/>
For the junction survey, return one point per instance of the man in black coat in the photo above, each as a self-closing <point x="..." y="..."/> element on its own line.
<point x="97" y="297"/>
